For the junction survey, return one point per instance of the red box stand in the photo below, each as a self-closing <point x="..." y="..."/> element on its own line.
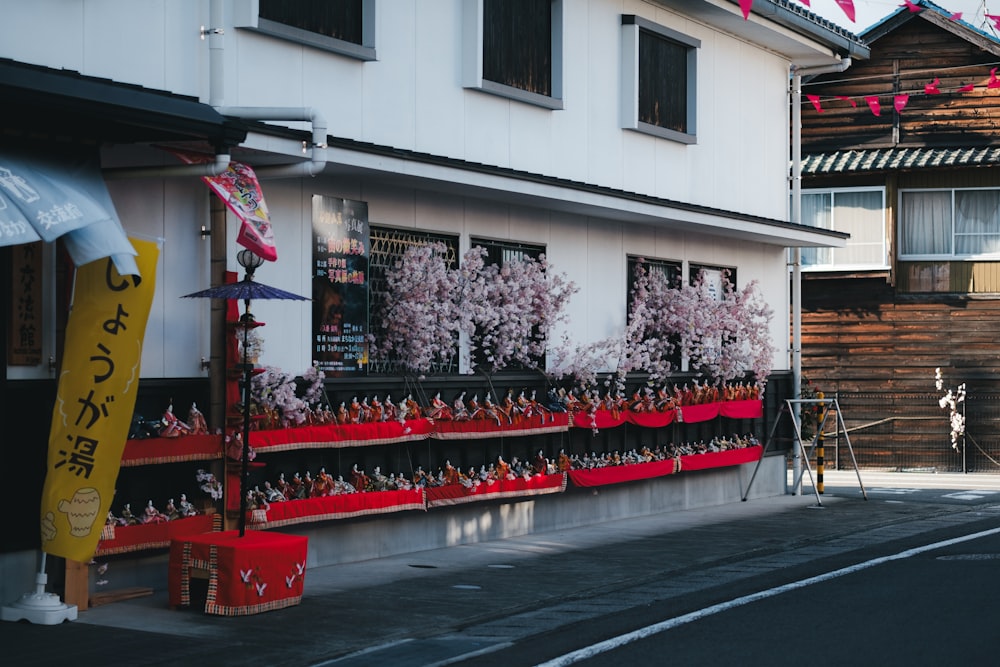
<point x="258" y="572"/>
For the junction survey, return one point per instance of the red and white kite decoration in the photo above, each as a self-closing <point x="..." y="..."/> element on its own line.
<point x="899" y="102"/>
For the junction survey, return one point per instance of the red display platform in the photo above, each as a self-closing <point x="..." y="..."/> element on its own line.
<point x="258" y="572"/>
<point x="731" y="457"/>
<point x="601" y="419"/>
<point x="172" y="450"/>
<point x="486" y="428"/>
<point x="624" y="473"/>
<point x="344" y="506"/>
<point x="340" y="435"/>
<point x="688" y="414"/>
<point x="456" y="494"/>
<point x="749" y="409"/>
<point x="125" y="539"/>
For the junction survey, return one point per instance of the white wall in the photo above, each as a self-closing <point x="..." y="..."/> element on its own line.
<point x="411" y="97"/>
<point x="591" y="252"/>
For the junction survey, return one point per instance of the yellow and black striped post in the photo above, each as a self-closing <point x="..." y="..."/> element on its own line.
<point x="820" y="454"/>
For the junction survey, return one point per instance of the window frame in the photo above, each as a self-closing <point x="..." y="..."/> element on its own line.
<point x="834" y="266"/>
<point x="507" y="249"/>
<point x="472" y="59"/>
<point x="405" y="238"/>
<point x="953" y="256"/>
<point x="247" y="16"/>
<point x="714" y="272"/>
<point x="631" y="33"/>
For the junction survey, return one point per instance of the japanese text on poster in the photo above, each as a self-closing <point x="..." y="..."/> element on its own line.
<point x="340" y="285"/>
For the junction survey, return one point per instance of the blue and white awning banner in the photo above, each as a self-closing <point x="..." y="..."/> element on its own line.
<point x="44" y="196"/>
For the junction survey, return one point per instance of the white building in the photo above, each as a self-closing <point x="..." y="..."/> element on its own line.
<point x="580" y="153"/>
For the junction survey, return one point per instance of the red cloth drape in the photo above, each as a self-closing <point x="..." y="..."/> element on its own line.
<point x="652" y="419"/>
<point x="258" y="572"/>
<point x="690" y="414"/>
<point x="339" y="507"/>
<point x="479" y="428"/>
<point x="600" y="419"/>
<point x="623" y="473"/>
<point x="125" y="539"/>
<point x="340" y="435"/>
<point x="730" y="457"/>
<point x="172" y="450"/>
<point x="749" y="409"/>
<point x="456" y="494"/>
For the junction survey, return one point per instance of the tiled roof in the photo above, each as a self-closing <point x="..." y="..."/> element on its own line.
<point x="895" y="159"/>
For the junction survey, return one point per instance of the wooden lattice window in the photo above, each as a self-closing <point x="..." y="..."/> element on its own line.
<point x="388" y="246"/>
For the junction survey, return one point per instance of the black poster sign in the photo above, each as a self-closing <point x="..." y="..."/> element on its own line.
<point x="340" y="285"/>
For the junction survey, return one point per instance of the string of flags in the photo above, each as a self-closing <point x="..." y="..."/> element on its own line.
<point x="900" y="101"/>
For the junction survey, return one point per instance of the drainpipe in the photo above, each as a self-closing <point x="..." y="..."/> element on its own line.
<point x="796" y="217"/>
<point x="216" y="98"/>
<point x="219" y="165"/>
<point x="318" y="159"/>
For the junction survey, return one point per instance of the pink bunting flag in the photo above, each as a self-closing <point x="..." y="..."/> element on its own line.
<point x="968" y="88"/>
<point x="957" y="16"/>
<point x="995" y="19"/>
<point x="932" y="87"/>
<point x="899" y="102"/>
<point x="745" y="6"/>
<point x="912" y="7"/>
<point x="848" y="7"/>
<point x="849" y="100"/>
<point x="994" y="82"/>
<point x="805" y="2"/>
<point x="815" y="102"/>
<point x="874" y="105"/>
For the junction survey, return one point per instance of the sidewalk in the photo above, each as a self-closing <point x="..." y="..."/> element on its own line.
<point x="375" y="605"/>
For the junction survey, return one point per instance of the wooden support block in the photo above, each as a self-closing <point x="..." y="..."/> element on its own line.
<point x="77" y="584"/>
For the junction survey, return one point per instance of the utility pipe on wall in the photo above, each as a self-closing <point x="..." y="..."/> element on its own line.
<point x="796" y="217"/>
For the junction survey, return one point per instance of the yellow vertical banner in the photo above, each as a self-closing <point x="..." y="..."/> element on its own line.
<point x="95" y="401"/>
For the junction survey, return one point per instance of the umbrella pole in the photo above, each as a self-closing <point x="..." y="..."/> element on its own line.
<point x="244" y="463"/>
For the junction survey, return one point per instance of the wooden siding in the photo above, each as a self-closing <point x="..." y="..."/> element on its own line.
<point x="903" y="62"/>
<point x="861" y="335"/>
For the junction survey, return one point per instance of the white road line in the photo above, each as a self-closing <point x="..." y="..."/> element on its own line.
<point x="663" y="626"/>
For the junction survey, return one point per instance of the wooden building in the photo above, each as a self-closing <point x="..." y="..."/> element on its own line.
<point x="902" y="152"/>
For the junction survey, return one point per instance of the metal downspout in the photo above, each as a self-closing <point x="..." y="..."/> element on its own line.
<point x="796" y="217"/>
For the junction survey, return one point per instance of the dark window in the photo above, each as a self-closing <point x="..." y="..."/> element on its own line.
<point x="517" y="44"/>
<point x="499" y="253"/>
<point x="387" y="246"/>
<point x="716" y="277"/>
<point x="671" y="271"/>
<point x="339" y="19"/>
<point x="663" y="82"/>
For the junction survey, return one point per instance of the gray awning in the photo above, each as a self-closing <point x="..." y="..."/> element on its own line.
<point x="895" y="159"/>
<point x="46" y="195"/>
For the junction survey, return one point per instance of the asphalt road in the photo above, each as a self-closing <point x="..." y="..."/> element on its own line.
<point x="930" y="604"/>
